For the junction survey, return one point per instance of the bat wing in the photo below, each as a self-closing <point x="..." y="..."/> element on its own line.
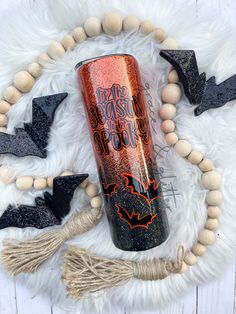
<point x="185" y="63"/>
<point x="109" y="189"/>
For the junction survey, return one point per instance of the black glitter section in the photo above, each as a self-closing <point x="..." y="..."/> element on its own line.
<point x="33" y="139"/>
<point x="185" y="63"/>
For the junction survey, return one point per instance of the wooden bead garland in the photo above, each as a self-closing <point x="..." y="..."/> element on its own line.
<point x="131" y="23"/>
<point x="92" y="26"/>
<point x="112" y="23"/>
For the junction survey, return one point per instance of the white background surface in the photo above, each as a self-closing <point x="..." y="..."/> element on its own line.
<point x="218" y="297"/>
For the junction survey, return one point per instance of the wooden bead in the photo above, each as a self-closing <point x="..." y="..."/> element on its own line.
<point x="206" y="237"/>
<point x="79" y="34"/>
<point x="67" y="173"/>
<point x="92" y="26"/>
<point x="146" y="27"/>
<point x="212" y="224"/>
<point x="3" y="119"/>
<point x="112" y="23"/>
<point x="167" y="112"/>
<point x="40" y="184"/>
<point x="84" y="183"/>
<point x="171" y="93"/>
<point x="4" y="106"/>
<point x="12" y="95"/>
<point x="206" y="165"/>
<point x="184" y="268"/>
<point x="91" y="190"/>
<point x="190" y="259"/>
<point x="198" y="249"/>
<point x="35" y="69"/>
<point x="195" y="157"/>
<point x="96" y="202"/>
<point x="44" y="58"/>
<point x="68" y="42"/>
<point x="50" y="181"/>
<point x="6" y="175"/>
<point x="131" y="23"/>
<point x="24" y="183"/>
<point x="183" y="148"/>
<point x="213" y="211"/>
<point x="170" y="43"/>
<point x="173" y="77"/>
<point x="214" y="198"/>
<point x="171" y="138"/>
<point x="24" y="81"/>
<point x="3" y="129"/>
<point x="211" y="180"/>
<point x="56" y="50"/>
<point x="167" y="126"/>
<point x="160" y="34"/>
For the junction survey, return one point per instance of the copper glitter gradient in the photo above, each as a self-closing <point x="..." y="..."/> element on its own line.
<point x="122" y="143"/>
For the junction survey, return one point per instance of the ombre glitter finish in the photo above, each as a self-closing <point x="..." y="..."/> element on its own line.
<point x="121" y="138"/>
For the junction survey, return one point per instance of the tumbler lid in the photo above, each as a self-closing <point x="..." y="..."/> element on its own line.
<point x="100" y="57"/>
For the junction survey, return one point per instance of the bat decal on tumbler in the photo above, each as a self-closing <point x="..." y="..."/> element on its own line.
<point x="134" y="220"/>
<point x="199" y="91"/>
<point x="33" y="139"/>
<point x="109" y="189"/>
<point x="149" y="192"/>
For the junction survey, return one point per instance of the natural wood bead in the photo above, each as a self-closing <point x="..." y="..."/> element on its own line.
<point x="212" y="224"/>
<point x="68" y="42"/>
<point x="91" y="190"/>
<point x="50" y="181"/>
<point x="190" y="259"/>
<point x="195" y="157"/>
<point x="44" y="58"/>
<point x="206" y="237"/>
<point x="12" y="95"/>
<point x="96" y="202"/>
<point x="211" y="180"/>
<point x="6" y="175"/>
<point x="171" y="138"/>
<point x="183" y="148"/>
<point x="131" y="23"/>
<point x="146" y="27"/>
<point x="84" y="183"/>
<point x="24" y="183"/>
<point x="184" y="268"/>
<point x="24" y="81"/>
<point x="4" y="106"/>
<point x="56" y="50"/>
<point x="171" y="93"/>
<point x="206" y="165"/>
<point x="170" y="43"/>
<point x="40" y="184"/>
<point x="198" y="249"/>
<point x="167" y="112"/>
<point x="213" y="211"/>
<point x="160" y="34"/>
<point x="3" y="129"/>
<point x="214" y="198"/>
<point x="35" y="69"/>
<point x="67" y="173"/>
<point x="173" y="77"/>
<point x="79" y="34"/>
<point x="112" y="23"/>
<point x="3" y="119"/>
<point x="167" y="126"/>
<point x="92" y="26"/>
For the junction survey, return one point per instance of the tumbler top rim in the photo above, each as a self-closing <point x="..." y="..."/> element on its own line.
<point x="86" y="61"/>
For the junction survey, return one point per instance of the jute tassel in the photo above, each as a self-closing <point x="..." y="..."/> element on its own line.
<point x="84" y="273"/>
<point x="26" y="256"/>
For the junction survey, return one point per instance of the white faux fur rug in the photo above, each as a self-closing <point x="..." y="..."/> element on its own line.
<point x="26" y="32"/>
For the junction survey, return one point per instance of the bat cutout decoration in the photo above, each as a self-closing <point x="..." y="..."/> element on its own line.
<point x="33" y="139"/>
<point x="205" y="93"/>
<point x="47" y="211"/>
<point x="109" y="189"/>
<point x="149" y="192"/>
<point x="134" y="220"/>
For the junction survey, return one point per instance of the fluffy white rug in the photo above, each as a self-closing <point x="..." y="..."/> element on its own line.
<point x="25" y="32"/>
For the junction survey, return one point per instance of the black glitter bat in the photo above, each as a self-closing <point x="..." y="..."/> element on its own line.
<point x="149" y="192"/>
<point x="47" y="211"/>
<point x="207" y="94"/>
<point x="109" y="189"/>
<point x="33" y="139"/>
<point x="134" y="220"/>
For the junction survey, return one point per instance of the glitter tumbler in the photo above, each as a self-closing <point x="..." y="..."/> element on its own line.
<point x="120" y="134"/>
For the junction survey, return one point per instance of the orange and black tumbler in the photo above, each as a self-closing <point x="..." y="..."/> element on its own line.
<point x="121" y="138"/>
